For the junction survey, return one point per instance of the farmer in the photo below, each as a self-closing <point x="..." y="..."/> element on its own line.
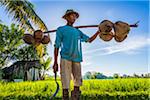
<point x="69" y="39"/>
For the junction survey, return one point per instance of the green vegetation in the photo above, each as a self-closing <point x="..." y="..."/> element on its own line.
<point x="10" y="41"/>
<point x="106" y="89"/>
<point x="12" y="47"/>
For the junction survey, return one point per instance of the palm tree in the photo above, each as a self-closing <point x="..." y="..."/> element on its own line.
<point x="23" y="13"/>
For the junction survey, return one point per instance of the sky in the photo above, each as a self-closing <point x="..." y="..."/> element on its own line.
<point x="128" y="57"/>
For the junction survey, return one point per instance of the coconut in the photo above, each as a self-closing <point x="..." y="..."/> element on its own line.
<point x="28" y="38"/>
<point x="121" y="30"/>
<point x="46" y="39"/>
<point x="105" y="27"/>
<point x="38" y="34"/>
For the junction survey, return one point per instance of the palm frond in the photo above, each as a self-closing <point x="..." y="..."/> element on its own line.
<point x="34" y="17"/>
<point x="22" y="12"/>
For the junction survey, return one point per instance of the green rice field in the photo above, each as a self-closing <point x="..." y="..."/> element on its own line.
<point x="106" y="89"/>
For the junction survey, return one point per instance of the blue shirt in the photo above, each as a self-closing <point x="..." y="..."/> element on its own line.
<point x="69" y="39"/>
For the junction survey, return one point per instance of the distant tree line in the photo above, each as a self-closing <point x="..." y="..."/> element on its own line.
<point x="98" y="75"/>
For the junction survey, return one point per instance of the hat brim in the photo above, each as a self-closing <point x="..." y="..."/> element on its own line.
<point x="77" y="14"/>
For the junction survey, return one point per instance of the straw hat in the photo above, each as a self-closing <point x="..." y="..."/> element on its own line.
<point x="70" y="11"/>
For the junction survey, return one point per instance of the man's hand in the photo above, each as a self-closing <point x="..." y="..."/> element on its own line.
<point x="93" y="37"/>
<point x="55" y="67"/>
<point x="98" y="32"/>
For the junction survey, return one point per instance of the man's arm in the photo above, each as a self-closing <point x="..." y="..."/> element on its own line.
<point x="93" y="37"/>
<point x="56" y="49"/>
<point x="55" y="66"/>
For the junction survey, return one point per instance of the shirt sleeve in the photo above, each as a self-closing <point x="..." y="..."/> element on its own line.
<point x="58" y="39"/>
<point x="84" y="37"/>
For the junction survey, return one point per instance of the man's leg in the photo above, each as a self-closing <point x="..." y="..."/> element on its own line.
<point x="65" y="72"/>
<point x="77" y="79"/>
<point x="65" y="94"/>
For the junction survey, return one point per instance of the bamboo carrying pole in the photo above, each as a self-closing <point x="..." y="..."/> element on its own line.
<point x="90" y="26"/>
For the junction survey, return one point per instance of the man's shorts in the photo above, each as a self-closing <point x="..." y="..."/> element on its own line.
<point x="68" y="70"/>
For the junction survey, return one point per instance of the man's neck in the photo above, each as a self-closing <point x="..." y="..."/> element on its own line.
<point x="70" y="24"/>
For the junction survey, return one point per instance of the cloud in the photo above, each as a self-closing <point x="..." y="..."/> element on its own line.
<point x="86" y="63"/>
<point x="148" y="41"/>
<point x="132" y="45"/>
